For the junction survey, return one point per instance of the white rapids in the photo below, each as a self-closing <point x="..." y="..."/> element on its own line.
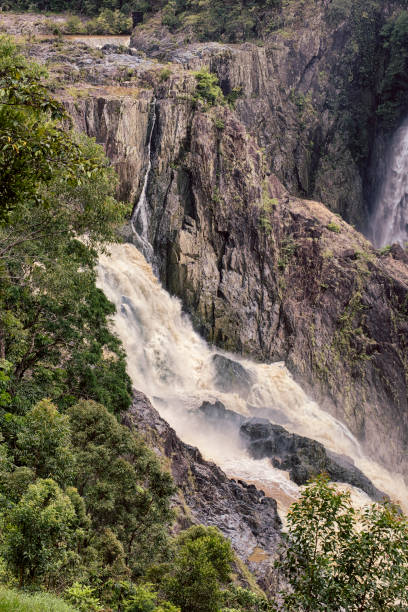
<point x="389" y="223"/>
<point x="173" y="366"/>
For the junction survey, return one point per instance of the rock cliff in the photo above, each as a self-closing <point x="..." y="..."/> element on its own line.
<point x="206" y="496"/>
<point x="260" y="271"/>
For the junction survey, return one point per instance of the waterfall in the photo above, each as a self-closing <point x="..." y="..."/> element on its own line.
<point x="140" y="216"/>
<point x="390" y="219"/>
<point x="174" y="367"/>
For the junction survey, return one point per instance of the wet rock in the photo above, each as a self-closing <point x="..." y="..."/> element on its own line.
<point x="232" y="377"/>
<point x="302" y="457"/>
<point x="217" y="412"/>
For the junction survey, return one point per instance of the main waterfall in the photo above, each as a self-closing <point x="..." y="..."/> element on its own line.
<point x="389" y="223"/>
<point x="174" y="367"/>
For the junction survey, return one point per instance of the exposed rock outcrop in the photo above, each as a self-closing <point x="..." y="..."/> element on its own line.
<point x="302" y="457"/>
<point x="231" y="376"/>
<point x="206" y="496"/>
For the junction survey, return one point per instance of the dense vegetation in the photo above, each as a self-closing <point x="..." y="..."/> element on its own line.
<point x="85" y="504"/>
<point x="84" y="7"/>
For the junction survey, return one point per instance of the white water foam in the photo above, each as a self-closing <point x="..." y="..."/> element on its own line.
<point x="173" y="366"/>
<point x="389" y="223"/>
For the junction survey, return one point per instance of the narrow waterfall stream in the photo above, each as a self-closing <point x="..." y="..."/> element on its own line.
<point x="389" y="223"/>
<point x="140" y="216"/>
<point x="173" y="366"/>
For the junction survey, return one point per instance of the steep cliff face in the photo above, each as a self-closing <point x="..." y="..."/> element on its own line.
<point x="261" y="272"/>
<point x="289" y="91"/>
<point x="279" y="278"/>
<point x="311" y="91"/>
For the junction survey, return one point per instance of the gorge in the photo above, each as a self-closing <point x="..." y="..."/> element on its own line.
<point x="260" y="283"/>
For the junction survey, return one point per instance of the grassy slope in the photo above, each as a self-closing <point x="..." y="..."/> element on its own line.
<point x="12" y="601"/>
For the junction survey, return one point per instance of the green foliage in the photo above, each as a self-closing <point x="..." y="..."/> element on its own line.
<point x="83" y="598"/>
<point x="238" y="598"/>
<point x="33" y="146"/>
<point x="44" y="443"/>
<point x="208" y="90"/>
<point x="145" y="599"/>
<point x="340" y="558"/>
<point x="39" y="532"/>
<point x="202" y="565"/>
<point x="385" y="250"/>
<point x="109" y="22"/>
<point x="92" y="8"/>
<point x="14" y="601"/>
<point x="122" y="483"/>
<point x="333" y="227"/>
<point x="53" y="320"/>
<point x="165" y="74"/>
<point x="55" y="342"/>
<point x="216" y="19"/>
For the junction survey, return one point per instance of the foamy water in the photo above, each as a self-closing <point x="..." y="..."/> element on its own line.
<point x="173" y="366"/>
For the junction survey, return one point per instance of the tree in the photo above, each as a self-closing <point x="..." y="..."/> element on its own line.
<point x="338" y="558"/>
<point x="202" y="565"/>
<point x="123" y="485"/>
<point x="33" y="143"/>
<point x="44" y="443"/>
<point x="39" y="532"/>
<point x="54" y="329"/>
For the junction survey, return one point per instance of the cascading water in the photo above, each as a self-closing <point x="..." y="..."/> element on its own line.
<point x="389" y="223"/>
<point x="174" y="367"/>
<point x="140" y="216"/>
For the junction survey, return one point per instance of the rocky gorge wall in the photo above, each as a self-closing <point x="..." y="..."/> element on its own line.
<point x="262" y="272"/>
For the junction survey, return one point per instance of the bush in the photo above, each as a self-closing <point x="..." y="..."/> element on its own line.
<point x="82" y="597"/>
<point x="202" y="565"/>
<point x="338" y="558"/>
<point x="208" y="90"/>
<point x="333" y="227"/>
<point x="164" y="74"/>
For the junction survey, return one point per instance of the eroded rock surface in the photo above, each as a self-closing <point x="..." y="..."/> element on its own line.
<point x="206" y="496"/>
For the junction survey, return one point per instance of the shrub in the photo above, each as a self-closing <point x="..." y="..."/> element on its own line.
<point x="333" y="227"/>
<point x="202" y="565"/>
<point x="208" y="90"/>
<point x="83" y="598"/>
<point x="164" y="74"/>
<point x="338" y="558"/>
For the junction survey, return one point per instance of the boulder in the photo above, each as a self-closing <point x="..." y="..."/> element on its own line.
<point x="302" y="457"/>
<point x="232" y="377"/>
<point x="218" y="413"/>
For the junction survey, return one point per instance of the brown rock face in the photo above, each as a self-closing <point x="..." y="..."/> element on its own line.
<point x="206" y="496"/>
<point x="262" y="273"/>
<point x="279" y="278"/>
